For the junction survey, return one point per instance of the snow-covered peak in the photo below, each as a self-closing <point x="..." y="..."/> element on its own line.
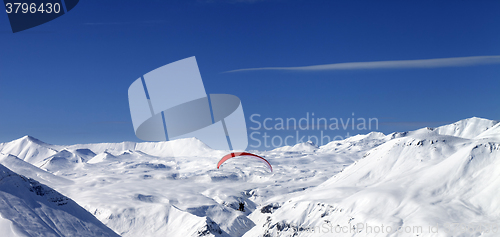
<point x="467" y="128"/>
<point x="369" y="136"/>
<point x="101" y="157"/>
<point x="308" y="146"/>
<point x="28" y="149"/>
<point x="180" y="147"/>
<point x="35" y="140"/>
<point x="61" y="160"/>
<point x="355" y="143"/>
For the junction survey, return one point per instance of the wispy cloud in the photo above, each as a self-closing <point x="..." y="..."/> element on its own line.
<point x="398" y="64"/>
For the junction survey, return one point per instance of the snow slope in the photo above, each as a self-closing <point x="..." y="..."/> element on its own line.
<point x="301" y="147"/>
<point x="28" y="208"/>
<point x="467" y="128"/>
<point x="419" y="184"/>
<point x="26" y="169"/>
<point x="28" y="149"/>
<point x="425" y="178"/>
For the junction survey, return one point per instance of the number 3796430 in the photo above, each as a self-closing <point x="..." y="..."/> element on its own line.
<point x="33" y="7"/>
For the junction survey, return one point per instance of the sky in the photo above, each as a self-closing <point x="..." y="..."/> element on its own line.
<point x="409" y="64"/>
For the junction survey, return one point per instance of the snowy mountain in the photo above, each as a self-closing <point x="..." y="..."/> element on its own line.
<point x="467" y="128"/>
<point x="420" y="184"/>
<point x="28" y="208"/>
<point x="28" y="149"/>
<point x="423" y="180"/>
<point x="301" y="147"/>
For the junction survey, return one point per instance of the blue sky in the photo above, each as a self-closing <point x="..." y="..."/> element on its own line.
<point x="66" y="81"/>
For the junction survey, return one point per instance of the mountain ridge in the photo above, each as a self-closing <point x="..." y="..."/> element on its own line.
<point x="134" y="188"/>
<point x="34" y="209"/>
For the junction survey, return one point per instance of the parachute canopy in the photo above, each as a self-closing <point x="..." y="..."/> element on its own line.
<point x="235" y="154"/>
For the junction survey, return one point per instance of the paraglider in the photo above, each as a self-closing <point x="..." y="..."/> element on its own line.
<point x="235" y="154"/>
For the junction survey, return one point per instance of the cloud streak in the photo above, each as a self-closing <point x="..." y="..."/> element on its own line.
<point x="398" y="64"/>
